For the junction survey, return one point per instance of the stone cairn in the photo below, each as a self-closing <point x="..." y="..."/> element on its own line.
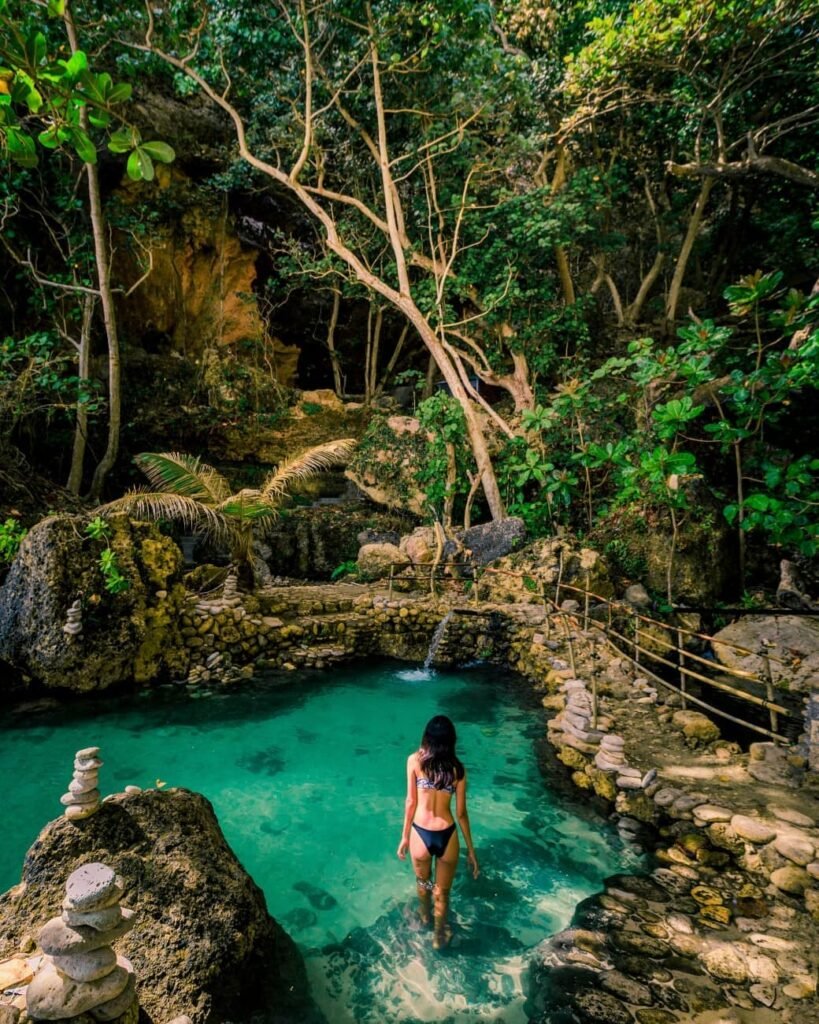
<point x="575" y="724"/>
<point x="80" y="973"/>
<point x="83" y="797"/>
<point x="73" y="620"/>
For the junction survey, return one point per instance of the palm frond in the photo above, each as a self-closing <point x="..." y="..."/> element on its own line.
<point x="247" y="504"/>
<point x="188" y="512"/>
<point x="307" y="464"/>
<point x="185" y="475"/>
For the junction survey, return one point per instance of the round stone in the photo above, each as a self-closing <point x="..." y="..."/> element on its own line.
<point x="59" y="939"/>
<point x="791" y="816"/>
<point x="791" y="879"/>
<point x="86" y="753"/>
<point x="84" y="784"/>
<point x="92" y="796"/>
<point x="90" y="764"/>
<point x="100" y="920"/>
<point x="752" y="829"/>
<point x="115" y="1007"/>
<point x="90" y="966"/>
<point x="89" y="886"/>
<point x="725" y="963"/>
<point x="628" y="782"/>
<point x="709" y="813"/>
<point x="55" y="996"/>
<point x="800" y="851"/>
<point x="813" y="868"/>
<point x="601" y="1008"/>
<point x="76" y="811"/>
<point x="111" y="899"/>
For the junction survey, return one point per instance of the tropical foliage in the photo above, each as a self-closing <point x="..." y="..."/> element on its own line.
<point x="199" y="498"/>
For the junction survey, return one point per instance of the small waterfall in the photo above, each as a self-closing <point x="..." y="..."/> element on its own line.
<point x="437" y="637"/>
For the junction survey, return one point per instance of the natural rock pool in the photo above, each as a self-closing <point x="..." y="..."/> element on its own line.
<point x="307" y="775"/>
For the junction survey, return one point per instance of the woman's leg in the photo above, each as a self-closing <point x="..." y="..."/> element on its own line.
<point x="445" y="869"/>
<point x="422" y="865"/>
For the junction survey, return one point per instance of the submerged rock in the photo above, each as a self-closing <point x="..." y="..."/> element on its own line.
<point x="205" y="945"/>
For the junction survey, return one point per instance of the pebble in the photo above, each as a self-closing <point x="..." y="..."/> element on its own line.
<point x="724" y="962"/>
<point x="91" y="796"/>
<point x="115" y="1007"/>
<point x="86" y="753"/>
<point x="75" y="812"/>
<point x="628" y="782"/>
<point x="752" y="829"/>
<point x="91" y="764"/>
<point x="84" y="784"/>
<point x="666" y="797"/>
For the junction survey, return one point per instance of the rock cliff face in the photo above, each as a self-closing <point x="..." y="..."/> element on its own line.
<point x="125" y="636"/>
<point x="204" y="944"/>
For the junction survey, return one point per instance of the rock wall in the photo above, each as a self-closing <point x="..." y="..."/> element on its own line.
<point x="204" y="944"/>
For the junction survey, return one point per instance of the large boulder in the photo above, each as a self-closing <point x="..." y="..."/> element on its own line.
<point x="128" y="636"/>
<point x="375" y="560"/>
<point x="489" y="541"/>
<point x="385" y="464"/>
<point x="204" y="944"/>
<point x="794" y="656"/>
<point x="536" y="569"/>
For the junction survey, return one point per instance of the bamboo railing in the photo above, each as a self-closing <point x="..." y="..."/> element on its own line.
<point x="637" y="650"/>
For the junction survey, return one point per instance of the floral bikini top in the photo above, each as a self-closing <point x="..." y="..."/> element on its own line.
<point x="424" y="783"/>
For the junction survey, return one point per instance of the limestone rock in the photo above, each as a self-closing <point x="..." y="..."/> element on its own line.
<point x="796" y="634"/>
<point x="132" y="635"/>
<point x="725" y="963"/>
<point x="374" y="560"/>
<point x="800" y="851"/>
<point x="87" y="966"/>
<point x="696" y="727"/>
<point x="55" y="996"/>
<point x="192" y="899"/>
<point x="752" y="829"/>
<point x="791" y="879"/>
<point x="489" y="541"/>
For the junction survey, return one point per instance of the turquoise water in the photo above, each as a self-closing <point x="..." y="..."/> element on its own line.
<point x="307" y="775"/>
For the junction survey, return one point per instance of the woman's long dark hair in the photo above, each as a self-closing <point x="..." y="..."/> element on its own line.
<point x="437" y="757"/>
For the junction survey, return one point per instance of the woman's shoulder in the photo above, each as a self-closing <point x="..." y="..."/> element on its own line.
<point x="412" y="760"/>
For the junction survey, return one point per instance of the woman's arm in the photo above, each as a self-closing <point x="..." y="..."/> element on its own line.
<point x="410" y="804"/>
<point x="463" y="821"/>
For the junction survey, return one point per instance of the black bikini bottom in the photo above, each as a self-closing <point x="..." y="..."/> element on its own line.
<point x="435" y="840"/>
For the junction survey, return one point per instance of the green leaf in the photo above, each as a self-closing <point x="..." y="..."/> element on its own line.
<point x="56" y="8"/>
<point x="159" y="151"/>
<point x="83" y="146"/>
<point x="124" y="140"/>
<point x="120" y="93"/>
<point x="21" y="147"/>
<point x="758" y="502"/>
<point x="140" y="166"/>
<point x="49" y="138"/>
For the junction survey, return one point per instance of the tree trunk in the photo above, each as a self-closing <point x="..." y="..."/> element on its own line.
<point x="81" y="424"/>
<point x="331" y="341"/>
<point x="685" y="252"/>
<point x="102" y="260"/>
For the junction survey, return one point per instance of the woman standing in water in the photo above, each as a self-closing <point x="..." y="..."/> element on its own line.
<point x="434" y="773"/>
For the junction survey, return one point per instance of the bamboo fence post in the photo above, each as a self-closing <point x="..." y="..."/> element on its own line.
<point x="594" y="698"/>
<point x="559" y="578"/>
<point x="769" y="686"/>
<point x="586" y="603"/>
<point x="392" y="570"/>
<point x="681" y="658"/>
<point x="636" y="638"/>
<point x="569" y="638"/>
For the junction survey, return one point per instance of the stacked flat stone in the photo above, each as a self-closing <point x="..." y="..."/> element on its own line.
<point x="73" y="620"/>
<point x="83" y="797"/>
<point x="230" y="591"/>
<point x="610" y="756"/>
<point x="80" y="973"/>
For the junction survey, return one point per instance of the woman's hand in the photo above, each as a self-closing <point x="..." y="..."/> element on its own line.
<point x="403" y="846"/>
<point x="473" y="863"/>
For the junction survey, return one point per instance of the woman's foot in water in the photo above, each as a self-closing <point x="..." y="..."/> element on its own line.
<point x="441" y="937"/>
<point x="424" y="906"/>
